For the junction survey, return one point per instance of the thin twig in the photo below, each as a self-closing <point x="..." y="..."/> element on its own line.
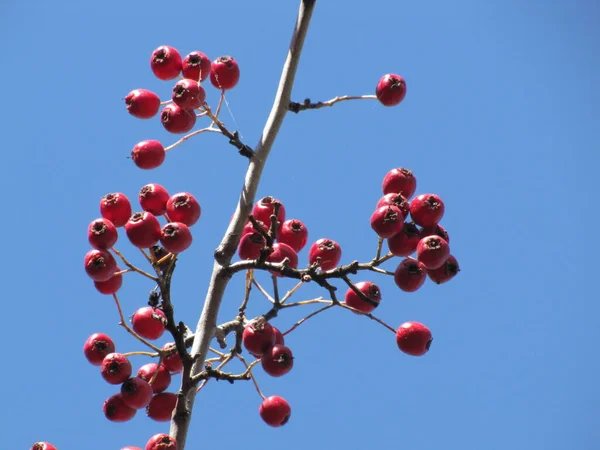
<point x="296" y="107"/>
<point x="132" y="267"/>
<point x="123" y="323"/>
<point x="263" y="291"/>
<point x="192" y="134"/>
<point x="304" y="319"/>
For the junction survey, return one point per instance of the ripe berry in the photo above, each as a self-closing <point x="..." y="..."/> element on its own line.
<point x="398" y="200"/>
<point x="224" y="72"/>
<point x="143" y="229"/>
<point x="116" y="208"/>
<point x="183" y="207"/>
<point x="277" y="361"/>
<point x="149" y="322"/>
<point x="275" y="411"/>
<point x="162" y="379"/>
<point x="161" y="406"/>
<point x="279" y="339"/>
<point x="161" y="441"/>
<point x="172" y="362"/>
<point x="413" y="338"/>
<point x="115" y="368"/>
<point x="435" y="230"/>
<point x="427" y="210"/>
<point x="327" y="252"/>
<point x="432" y="251"/>
<point x="176" y="119"/>
<point x="96" y="347"/>
<point x="196" y="66"/>
<point x="188" y="94"/>
<point x="102" y="234"/>
<point x="265" y="208"/>
<point x="116" y="410"/>
<point x="391" y="89"/>
<point x="249" y="227"/>
<point x="371" y="293"/>
<point x="136" y="393"/>
<point x="405" y="242"/>
<point x="153" y="198"/>
<point x="250" y="245"/>
<point x="293" y="233"/>
<point x="445" y="272"/>
<point x="410" y="275"/>
<point x="142" y="103"/>
<point x="175" y="237"/>
<point x="399" y="181"/>
<point x="280" y="252"/>
<point x="148" y="154"/>
<point x="387" y="220"/>
<point x="258" y="337"/>
<point x="110" y="286"/>
<point x="165" y="62"/>
<point x="100" y="265"/>
<point x="43" y="446"/>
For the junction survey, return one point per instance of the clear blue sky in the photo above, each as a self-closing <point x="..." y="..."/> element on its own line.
<point x="501" y="119"/>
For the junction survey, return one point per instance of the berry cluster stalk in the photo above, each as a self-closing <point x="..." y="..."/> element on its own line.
<point x="206" y="327"/>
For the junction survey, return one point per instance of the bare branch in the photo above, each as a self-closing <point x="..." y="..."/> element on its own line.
<point x="296" y="107"/>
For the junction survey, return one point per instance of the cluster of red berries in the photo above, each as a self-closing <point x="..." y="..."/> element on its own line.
<point x="159" y="441"/>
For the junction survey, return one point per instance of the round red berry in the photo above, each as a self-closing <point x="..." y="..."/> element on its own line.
<point x="387" y="220"/>
<point x="326" y="252"/>
<point x="172" y="362"/>
<point x="435" y="230"/>
<point x="279" y="339"/>
<point x="161" y="441"/>
<point x="427" y="210"/>
<point x="96" y="347"/>
<point x="277" y="361"/>
<point x="116" y="208"/>
<point x="165" y="62"/>
<point x="153" y="198"/>
<point x="398" y="200"/>
<point x="399" y="181"/>
<point x="281" y="252"/>
<point x="102" y="234"/>
<point x="136" y="393"/>
<point x="142" y="103"/>
<point x="250" y="245"/>
<point x="368" y="301"/>
<point x="275" y="411"/>
<point x="177" y="120"/>
<point x="100" y="265"/>
<point x="115" y="368"/>
<point x="148" y="154"/>
<point x="293" y="233"/>
<point x="432" y="252"/>
<point x="43" y="446"/>
<point x="149" y="322"/>
<point x="175" y="237"/>
<point x="413" y="338"/>
<point x="224" y="72"/>
<point x="445" y="272"/>
<point x="183" y="207"/>
<point x="265" y="208"/>
<point x="405" y="242"/>
<point x="196" y="66"/>
<point x="162" y="379"/>
<point x="161" y="406"/>
<point x="258" y="337"/>
<point x="249" y="227"/>
<point x="188" y="94"/>
<point x="391" y="89"/>
<point x="116" y="410"/>
<point x="143" y="229"/>
<point x="410" y="275"/>
<point x="112" y="285"/>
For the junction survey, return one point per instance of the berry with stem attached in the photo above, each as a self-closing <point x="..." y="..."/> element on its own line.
<point x="165" y="62"/>
<point x="250" y="245"/>
<point x="100" y="265"/>
<point x="115" y="368"/>
<point x="143" y="229"/>
<point x="142" y="103"/>
<point x="173" y="361"/>
<point x="136" y="393"/>
<point x="188" y="94"/>
<point x="410" y="275"/>
<point x="149" y="322"/>
<point x="183" y="207"/>
<point x="161" y="441"/>
<point x="176" y="119"/>
<point x="371" y="296"/>
<point x="224" y="73"/>
<point x="277" y="361"/>
<point x="112" y="285"/>
<point x="258" y="337"/>
<point x="432" y="252"/>
<point x="161" y="406"/>
<point x="399" y="181"/>
<point x="326" y="252"/>
<point x="391" y="89"/>
<point x="148" y="154"/>
<point x="281" y="252"/>
<point x="96" y="347"/>
<point x="196" y="66"/>
<point x="116" y="410"/>
<point x="445" y="272"/>
<point x="413" y="338"/>
<point x="435" y="230"/>
<point x="116" y="208"/>
<point x="405" y="242"/>
<point x="102" y="234"/>
<point x="427" y="210"/>
<point x="161" y="381"/>
<point x="275" y="411"/>
<point x="387" y="220"/>
<point x="279" y="338"/>
<point x="175" y="237"/>
<point x="265" y="208"/>
<point x="398" y="200"/>
<point x="153" y="198"/>
<point x="293" y="233"/>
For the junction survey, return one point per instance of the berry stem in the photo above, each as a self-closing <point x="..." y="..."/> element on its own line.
<point x="193" y="133"/>
<point x="296" y="107"/>
<point x="132" y="267"/>
<point x="221" y="98"/>
<point x="378" y="252"/>
<point x="123" y="323"/>
<point x="275" y="290"/>
<point x="249" y="371"/>
<point x="306" y="302"/>
<point x="313" y="314"/>
<point x="152" y="355"/>
<point x="369" y="315"/>
<point x="262" y="290"/>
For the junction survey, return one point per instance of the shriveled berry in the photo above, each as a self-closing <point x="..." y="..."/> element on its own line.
<point x="102" y="234"/>
<point x="165" y="62"/>
<point x="250" y="245"/>
<point x="188" y="94"/>
<point x="391" y="89"/>
<point x="281" y="252"/>
<point x="136" y="393"/>
<point x="149" y="322"/>
<point x="148" y="154"/>
<point x="161" y="441"/>
<point x="153" y="198"/>
<point x="161" y="406"/>
<point x="143" y="229"/>
<point x="116" y="208"/>
<point x="183" y="207"/>
<point x="325" y="251"/>
<point x="115" y="368"/>
<point x="427" y="209"/>
<point x="162" y="379"/>
<point x="96" y="347"/>
<point x="435" y="230"/>
<point x="371" y="296"/>
<point x="275" y="411"/>
<point x="432" y="251"/>
<point x="293" y="233"/>
<point x="398" y="200"/>
<point x="405" y="242"/>
<point x="399" y="181"/>
<point x="413" y="338"/>
<point x="196" y="66"/>
<point x="172" y="362"/>
<point x="142" y="103"/>
<point x="445" y="272"/>
<point x="410" y="275"/>
<point x="387" y="220"/>
<point x="224" y="72"/>
<point x="116" y="410"/>
<point x="112" y="285"/>
<point x="277" y="361"/>
<point x="265" y="208"/>
<point x="43" y="446"/>
<point x="100" y="265"/>
<point x="177" y="120"/>
<point x="258" y="336"/>
<point x="279" y="339"/>
<point x="175" y="237"/>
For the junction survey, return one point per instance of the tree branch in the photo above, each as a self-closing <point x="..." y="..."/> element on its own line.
<point x="296" y="107"/>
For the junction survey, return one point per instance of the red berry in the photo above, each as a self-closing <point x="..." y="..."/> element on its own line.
<point x="97" y="346"/>
<point x="427" y="210"/>
<point x="43" y="446"/>
<point x="398" y="200"/>
<point x="172" y="362"/>
<point x="413" y="338"/>
<point x="116" y="410"/>
<point x="162" y="379"/>
<point x="224" y="72"/>
<point x="175" y="237"/>
<point x="327" y="252"/>
<point x="250" y="245"/>
<point x="275" y="411"/>
<point x="153" y="198"/>
<point x="196" y="66"/>
<point x="279" y="339"/>
<point x="371" y="293"/>
<point x="115" y="368"/>
<point x="188" y="94"/>
<point x="161" y="441"/>
<point x="110" y="286"/>
<point x="265" y="208"/>
<point x="432" y="252"/>
<point x="176" y="119"/>
<point x="280" y="252"/>
<point x="249" y="227"/>
<point x="165" y="62"/>
<point x="161" y="406"/>
<point x="445" y="272"/>
<point x="136" y="393"/>
<point x="148" y="154"/>
<point x="410" y="275"/>
<point x="277" y="361"/>
<point x="100" y="265"/>
<point x="129" y="447"/>
<point x="435" y="230"/>
<point x="387" y="220"/>
<point x="143" y="229"/>
<point x="149" y="322"/>
<point x="116" y="208"/>
<point x="405" y="242"/>
<point x="183" y="207"/>
<point x="258" y="337"/>
<point x="293" y="233"/>
<point x="399" y="181"/>
<point x="102" y="234"/>
<point x="391" y="89"/>
<point x="142" y="103"/>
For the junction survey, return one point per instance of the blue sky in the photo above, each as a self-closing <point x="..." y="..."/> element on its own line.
<point x="500" y="119"/>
